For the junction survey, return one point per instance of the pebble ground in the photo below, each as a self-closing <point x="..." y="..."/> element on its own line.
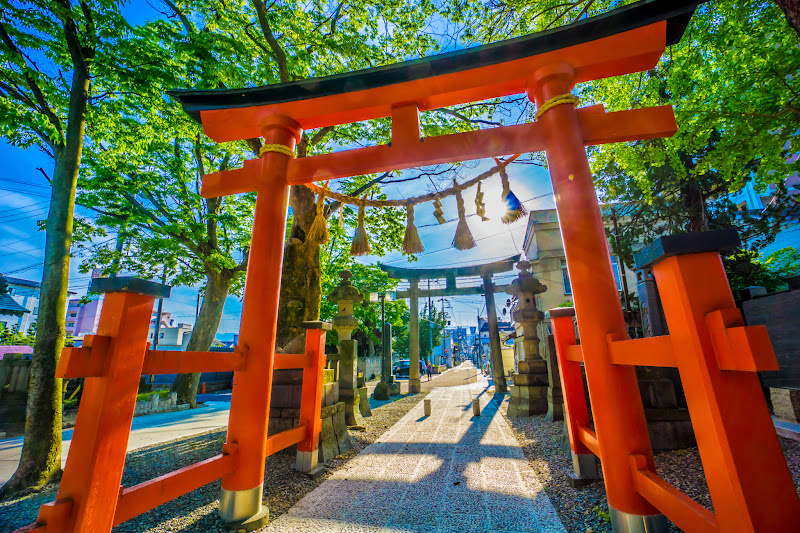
<point x="585" y="510"/>
<point x="196" y="512"/>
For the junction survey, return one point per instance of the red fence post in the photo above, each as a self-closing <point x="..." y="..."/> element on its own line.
<point x="240" y="503"/>
<point x="311" y="396"/>
<point x="748" y="479"/>
<point x="576" y="412"/>
<point x="90" y="485"/>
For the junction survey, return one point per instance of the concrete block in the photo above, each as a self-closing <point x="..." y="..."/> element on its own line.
<point x="328" y="397"/>
<point x="339" y="424"/>
<point x="363" y="402"/>
<point x="327" y="426"/>
<point x="328" y="375"/>
<point x="476" y="407"/>
<point x="381" y="391"/>
<point x="531" y="379"/>
<point x="306" y="461"/>
<point x="658" y="393"/>
<point x="173" y="400"/>
<point x="537" y="366"/>
<point x="428" y="407"/>
<point x="785" y="403"/>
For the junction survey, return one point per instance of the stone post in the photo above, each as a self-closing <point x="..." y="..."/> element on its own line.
<point x="345" y="296"/>
<point x="529" y="394"/>
<point x="387" y="386"/>
<point x="555" y="399"/>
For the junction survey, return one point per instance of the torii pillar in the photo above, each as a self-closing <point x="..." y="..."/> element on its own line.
<point x="414" y="383"/>
<point x="498" y="374"/>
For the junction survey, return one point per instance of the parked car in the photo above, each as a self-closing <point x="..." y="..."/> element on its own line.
<point x="402" y="368"/>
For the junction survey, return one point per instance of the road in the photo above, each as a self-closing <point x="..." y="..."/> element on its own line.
<point x="145" y="430"/>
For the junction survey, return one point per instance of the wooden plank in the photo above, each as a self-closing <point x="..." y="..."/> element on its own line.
<point x="574" y="353"/>
<point x="177" y="362"/>
<point x="589" y="439"/>
<point x="289" y="361"/>
<point x="648" y="351"/>
<point x="284" y="439"/>
<point x="686" y="513"/>
<point x="148" y="495"/>
<point x="86" y="361"/>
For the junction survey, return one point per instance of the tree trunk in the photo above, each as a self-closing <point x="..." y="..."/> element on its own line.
<point x="203" y="333"/>
<point x="40" y="462"/>
<point x="301" y="277"/>
<point x="791" y="9"/>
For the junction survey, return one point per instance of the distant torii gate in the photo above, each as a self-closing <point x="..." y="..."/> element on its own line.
<point x="488" y="288"/>
<point x="748" y="479"/>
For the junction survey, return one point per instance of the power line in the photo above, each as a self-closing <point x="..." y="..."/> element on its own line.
<point x="25" y="183"/>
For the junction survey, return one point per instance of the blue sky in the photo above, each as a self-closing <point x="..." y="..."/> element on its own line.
<point x="24" y="198"/>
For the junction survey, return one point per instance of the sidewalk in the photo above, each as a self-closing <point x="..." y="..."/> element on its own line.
<point x="145" y="430"/>
<point x="450" y="472"/>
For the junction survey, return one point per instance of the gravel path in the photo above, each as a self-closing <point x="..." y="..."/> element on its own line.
<point x="586" y="510"/>
<point x="197" y="510"/>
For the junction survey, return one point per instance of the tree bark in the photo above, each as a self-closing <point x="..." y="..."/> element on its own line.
<point x="301" y="283"/>
<point x="40" y="462"/>
<point x="791" y="10"/>
<point x="204" y="330"/>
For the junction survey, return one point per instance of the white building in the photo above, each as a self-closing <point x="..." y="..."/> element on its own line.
<point x="171" y="335"/>
<point x="26" y="294"/>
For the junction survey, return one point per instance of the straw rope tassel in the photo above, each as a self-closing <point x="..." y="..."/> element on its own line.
<point x="360" y="245"/>
<point x="318" y="233"/>
<point x="514" y="208"/>
<point x="463" y="239"/>
<point x="411" y="242"/>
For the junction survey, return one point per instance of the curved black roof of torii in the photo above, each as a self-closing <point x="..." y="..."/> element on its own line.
<point x="450" y="272"/>
<point x="677" y="13"/>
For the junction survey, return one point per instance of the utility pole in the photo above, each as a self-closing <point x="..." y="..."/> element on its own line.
<point x="158" y="313"/>
<point x="619" y="263"/>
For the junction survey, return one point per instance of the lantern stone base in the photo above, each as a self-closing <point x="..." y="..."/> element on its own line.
<point x="414" y="385"/>
<point x="529" y="393"/>
<point x="350" y="397"/>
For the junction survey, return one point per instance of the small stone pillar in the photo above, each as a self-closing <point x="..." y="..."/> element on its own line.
<point x="555" y="399"/>
<point x="345" y="296"/>
<point x="529" y="393"/>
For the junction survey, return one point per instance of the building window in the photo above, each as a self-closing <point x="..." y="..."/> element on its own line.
<point x="565" y="277"/>
<point x="36" y="311"/>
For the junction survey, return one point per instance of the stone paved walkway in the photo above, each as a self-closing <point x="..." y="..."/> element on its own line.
<point x="450" y="472"/>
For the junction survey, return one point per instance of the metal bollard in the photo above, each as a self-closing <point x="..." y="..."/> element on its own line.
<point x="427" y="408"/>
<point x="476" y="407"/>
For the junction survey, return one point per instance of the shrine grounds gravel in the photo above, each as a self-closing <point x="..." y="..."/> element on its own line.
<point x="586" y="510"/>
<point x="196" y="512"/>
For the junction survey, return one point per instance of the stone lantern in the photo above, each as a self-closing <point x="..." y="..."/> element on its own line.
<point x="529" y="394"/>
<point x="345" y="295"/>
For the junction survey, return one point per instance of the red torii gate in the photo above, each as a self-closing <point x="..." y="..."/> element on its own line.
<point x="546" y="66"/>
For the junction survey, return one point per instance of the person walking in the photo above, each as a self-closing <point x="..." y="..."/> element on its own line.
<point x="428" y="369"/>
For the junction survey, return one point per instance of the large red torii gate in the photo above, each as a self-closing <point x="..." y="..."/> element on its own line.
<point x="717" y="357"/>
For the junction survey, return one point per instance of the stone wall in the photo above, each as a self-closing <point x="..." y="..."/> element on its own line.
<point x="369" y="366"/>
<point x="780" y="313"/>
